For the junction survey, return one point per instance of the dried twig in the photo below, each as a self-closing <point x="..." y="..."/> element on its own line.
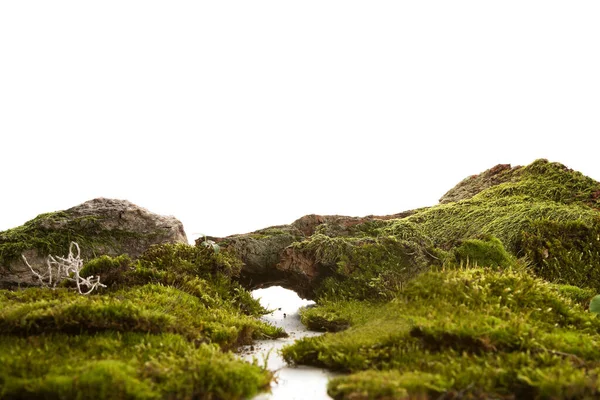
<point x="65" y="268"/>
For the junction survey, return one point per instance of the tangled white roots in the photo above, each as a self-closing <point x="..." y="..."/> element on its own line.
<point x="67" y="268"/>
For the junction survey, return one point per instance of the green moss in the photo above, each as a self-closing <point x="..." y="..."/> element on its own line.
<point x="551" y="181"/>
<point x="186" y="259"/>
<point x="577" y="294"/>
<point x="322" y="319"/>
<point x="143" y="337"/>
<point x="111" y="270"/>
<point x="387" y="385"/>
<point x="123" y="366"/>
<point x="507" y="376"/>
<point x="525" y="212"/>
<point x="368" y="267"/>
<point x="150" y="309"/>
<point x="488" y="252"/>
<point x="194" y="269"/>
<point x="497" y="332"/>
<point x="544" y="211"/>
<point x="565" y="251"/>
<point x="540" y="190"/>
<point x="480" y="332"/>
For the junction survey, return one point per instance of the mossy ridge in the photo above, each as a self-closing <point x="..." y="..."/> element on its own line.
<point x="505" y="218"/>
<point x="479" y="331"/>
<point x="123" y="366"/>
<point x="487" y="251"/>
<point x="565" y="251"/>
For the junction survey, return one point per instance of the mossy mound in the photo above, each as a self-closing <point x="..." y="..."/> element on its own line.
<point x="466" y="333"/>
<point x="162" y="328"/>
<point x="544" y="212"/>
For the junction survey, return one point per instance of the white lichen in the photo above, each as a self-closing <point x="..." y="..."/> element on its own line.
<point x="65" y="268"/>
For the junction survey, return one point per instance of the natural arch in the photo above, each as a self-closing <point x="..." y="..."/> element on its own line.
<point x="271" y="258"/>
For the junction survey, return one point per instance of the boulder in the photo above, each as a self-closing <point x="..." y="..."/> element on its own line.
<point x="100" y="226"/>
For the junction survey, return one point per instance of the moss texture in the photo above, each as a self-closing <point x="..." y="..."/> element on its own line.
<point x="475" y="332"/>
<point x="162" y="328"/>
<point x="111" y="365"/>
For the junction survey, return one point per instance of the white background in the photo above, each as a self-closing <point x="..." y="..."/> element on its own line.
<point x="237" y="115"/>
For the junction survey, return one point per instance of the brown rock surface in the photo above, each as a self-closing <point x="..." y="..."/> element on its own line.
<point x="474" y="184"/>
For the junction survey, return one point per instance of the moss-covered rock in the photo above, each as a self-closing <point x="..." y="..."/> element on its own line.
<point x="100" y="227"/>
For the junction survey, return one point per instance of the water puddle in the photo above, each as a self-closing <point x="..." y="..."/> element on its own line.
<point x="297" y="383"/>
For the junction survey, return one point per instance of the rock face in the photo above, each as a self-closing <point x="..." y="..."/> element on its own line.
<point x="100" y="226"/>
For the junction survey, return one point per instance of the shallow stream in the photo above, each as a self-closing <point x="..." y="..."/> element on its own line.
<point x="292" y="383"/>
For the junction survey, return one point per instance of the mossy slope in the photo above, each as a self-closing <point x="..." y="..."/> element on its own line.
<point x="161" y="329"/>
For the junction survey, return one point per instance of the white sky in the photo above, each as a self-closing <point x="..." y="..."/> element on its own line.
<point x="237" y="115"/>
